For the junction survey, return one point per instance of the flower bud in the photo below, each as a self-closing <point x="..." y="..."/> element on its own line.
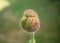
<point x="30" y="22"/>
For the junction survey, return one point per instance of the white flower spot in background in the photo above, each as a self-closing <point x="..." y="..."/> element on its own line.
<point x="4" y="4"/>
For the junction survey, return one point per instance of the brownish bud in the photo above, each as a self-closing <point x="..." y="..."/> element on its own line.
<point x="31" y="21"/>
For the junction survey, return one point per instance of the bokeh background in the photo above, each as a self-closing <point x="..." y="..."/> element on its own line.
<point x="48" y="11"/>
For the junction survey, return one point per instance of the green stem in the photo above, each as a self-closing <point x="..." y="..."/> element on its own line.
<point x="32" y="37"/>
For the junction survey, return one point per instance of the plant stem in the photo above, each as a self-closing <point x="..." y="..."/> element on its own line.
<point x="32" y="37"/>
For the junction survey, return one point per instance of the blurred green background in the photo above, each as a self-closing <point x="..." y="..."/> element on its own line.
<point x="48" y="11"/>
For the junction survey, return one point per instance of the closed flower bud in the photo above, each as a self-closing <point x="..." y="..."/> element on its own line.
<point x="30" y="21"/>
